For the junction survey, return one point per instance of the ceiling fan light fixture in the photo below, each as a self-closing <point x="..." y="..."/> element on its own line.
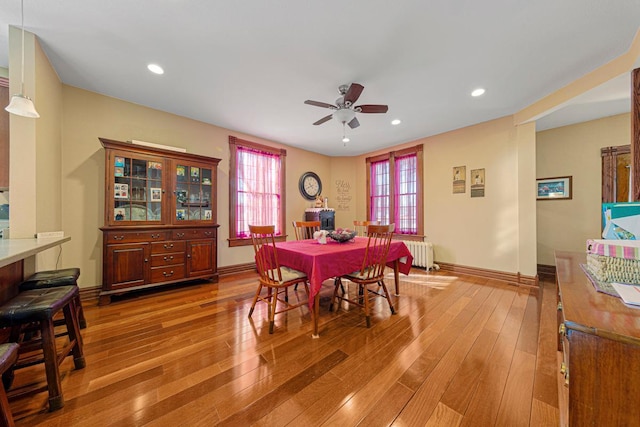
<point x="22" y="105"/>
<point x="344" y="115"/>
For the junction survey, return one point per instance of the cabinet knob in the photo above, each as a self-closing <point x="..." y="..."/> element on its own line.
<point x="208" y="233"/>
<point x="118" y="237"/>
<point x="165" y="274"/>
<point x="168" y="258"/>
<point x="155" y="236"/>
<point x="180" y="234"/>
<point x="146" y="260"/>
<point x="168" y="245"/>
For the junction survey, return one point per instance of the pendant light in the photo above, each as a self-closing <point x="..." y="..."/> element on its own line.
<point x="22" y="105"/>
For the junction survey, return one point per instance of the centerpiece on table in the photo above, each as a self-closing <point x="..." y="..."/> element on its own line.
<point x="342" y="235"/>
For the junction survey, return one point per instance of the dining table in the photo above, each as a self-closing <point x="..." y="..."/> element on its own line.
<point x="334" y="259"/>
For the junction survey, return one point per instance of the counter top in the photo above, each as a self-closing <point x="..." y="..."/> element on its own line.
<point x="12" y="250"/>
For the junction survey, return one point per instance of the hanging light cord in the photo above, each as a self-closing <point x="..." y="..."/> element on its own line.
<point x="22" y="66"/>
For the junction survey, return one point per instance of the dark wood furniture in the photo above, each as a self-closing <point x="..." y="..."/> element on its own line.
<point x="39" y="307"/>
<point x="160" y="218"/>
<point x="600" y="340"/>
<point x="8" y="357"/>
<point x="327" y="217"/>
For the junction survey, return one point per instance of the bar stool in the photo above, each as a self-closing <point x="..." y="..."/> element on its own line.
<point x="39" y="306"/>
<point x="54" y="278"/>
<point x="8" y="357"/>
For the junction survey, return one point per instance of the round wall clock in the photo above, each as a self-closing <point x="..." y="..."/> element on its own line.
<point x="310" y="185"/>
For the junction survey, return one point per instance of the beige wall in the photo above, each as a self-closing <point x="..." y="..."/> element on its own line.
<point x="495" y="232"/>
<point x="35" y="146"/>
<point x="88" y="115"/>
<point x="575" y="151"/>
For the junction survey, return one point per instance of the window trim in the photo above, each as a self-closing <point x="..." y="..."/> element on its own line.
<point x="233" y="194"/>
<point x="391" y="156"/>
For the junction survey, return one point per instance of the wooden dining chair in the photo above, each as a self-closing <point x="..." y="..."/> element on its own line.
<point x="304" y="229"/>
<point x="361" y="226"/>
<point x="371" y="273"/>
<point x="274" y="277"/>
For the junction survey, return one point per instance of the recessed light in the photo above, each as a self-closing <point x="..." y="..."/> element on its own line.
<point x="345" y="139"/>
<point x="156" y="69"/>
<point x="477" y="92"/>
<point x="396" y="122"/>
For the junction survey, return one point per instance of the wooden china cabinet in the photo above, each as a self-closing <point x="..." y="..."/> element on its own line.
<point x="160" y="220"/>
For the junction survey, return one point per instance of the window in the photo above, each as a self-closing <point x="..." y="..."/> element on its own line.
<point x="256" y="189"/>
<point x="395" y="190"/>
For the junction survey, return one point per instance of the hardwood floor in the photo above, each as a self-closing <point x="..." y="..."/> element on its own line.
<point x="461" y="351"/>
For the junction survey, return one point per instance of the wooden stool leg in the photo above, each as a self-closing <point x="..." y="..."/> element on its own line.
<point x="56" y="400"/>
<point x="82" y="321"/>
<point x="71" y="318"/>
<point x="6" y="418"/>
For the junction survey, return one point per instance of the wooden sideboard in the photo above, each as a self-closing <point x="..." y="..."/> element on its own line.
<point x="599" y="337"/>
<point x="160" y="218"/>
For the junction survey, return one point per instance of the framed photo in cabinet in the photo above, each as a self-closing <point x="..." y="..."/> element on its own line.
<point x="156" y="194"/>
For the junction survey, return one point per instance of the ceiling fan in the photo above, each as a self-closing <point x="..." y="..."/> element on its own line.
<point x="344" y="111"/>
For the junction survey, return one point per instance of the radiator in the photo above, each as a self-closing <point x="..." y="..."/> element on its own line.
<point x="422" y="253"/>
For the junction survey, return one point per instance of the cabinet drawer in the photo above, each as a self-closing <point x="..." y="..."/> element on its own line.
<point x="194" y="233"/>
<point x="167" y="246"/>
<point x="164" y="274"/>
<point x="167" y="259"/>
<point x="134" y="236"/>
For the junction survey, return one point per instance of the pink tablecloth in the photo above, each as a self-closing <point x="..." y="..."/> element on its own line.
<point x="322" y="262"/>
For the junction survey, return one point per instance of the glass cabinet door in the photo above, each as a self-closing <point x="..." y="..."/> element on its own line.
<point x="193" y="193"/>
<point x="137" y="190"/>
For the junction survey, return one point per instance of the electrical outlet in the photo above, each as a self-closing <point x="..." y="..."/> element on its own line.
<point x="49" y="234"/>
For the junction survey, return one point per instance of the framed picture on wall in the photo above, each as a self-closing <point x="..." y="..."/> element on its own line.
<point x="557" y="188"/>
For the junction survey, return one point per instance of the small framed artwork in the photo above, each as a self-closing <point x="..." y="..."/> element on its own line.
<point x="156" y="194"/>
<point x="119" y="161"/>
<point x="557" y="188"/>
<point x="459" y="179"/>
<point x="207" y="214"/>
<point x="477" y="182"/>
<point x="181" y="214"/>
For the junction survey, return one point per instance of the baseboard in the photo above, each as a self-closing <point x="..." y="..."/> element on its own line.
<point x="511" y="278"/>
<point x="237" y="268"/>
<point x="547" y="272"/>
<point x="91" y="293"/>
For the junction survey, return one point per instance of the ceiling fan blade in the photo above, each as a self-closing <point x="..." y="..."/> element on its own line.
<point x="353" y="93"/>
<point x="372" y="108"/>
<point x="324" y="119"/>
<point x="320" y="104"/>
<point x="354" y="123"/>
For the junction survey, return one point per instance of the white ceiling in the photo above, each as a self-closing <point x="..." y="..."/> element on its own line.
<point x="249" y="65"/>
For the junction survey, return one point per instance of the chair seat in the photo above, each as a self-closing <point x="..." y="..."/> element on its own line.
<point x="289" y="274"/>
<point x="36" y="304"/>
<point x="359" y="275"/>
<point x="51" y="278"/>
<point x="8" y="355"/>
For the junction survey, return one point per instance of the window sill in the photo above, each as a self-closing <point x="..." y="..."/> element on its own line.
<point x="247" y="241"/>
